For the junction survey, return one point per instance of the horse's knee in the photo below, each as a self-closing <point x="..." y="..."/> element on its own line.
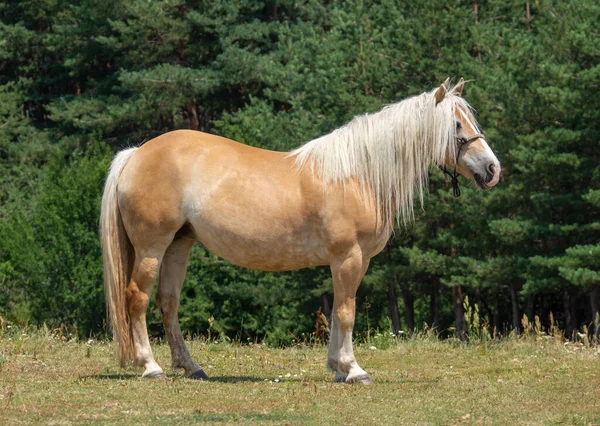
<point x="345" y="315"/>
<point x="137" y="300"/>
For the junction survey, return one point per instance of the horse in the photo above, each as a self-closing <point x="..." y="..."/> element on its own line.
<point x="331" y="202"/>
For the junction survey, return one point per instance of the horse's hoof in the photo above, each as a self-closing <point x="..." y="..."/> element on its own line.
<point x="154" y="375"/>
<point x="198" y="375"/>
<point x="363" y="379"/>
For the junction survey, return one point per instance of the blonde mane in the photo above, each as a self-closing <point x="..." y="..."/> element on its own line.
<point x="388" y="152"/>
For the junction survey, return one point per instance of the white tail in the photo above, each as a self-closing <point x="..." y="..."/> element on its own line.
<point x="117" y="257"/>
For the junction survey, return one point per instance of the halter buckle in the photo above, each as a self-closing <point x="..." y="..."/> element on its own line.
<point x="454" y="174"/>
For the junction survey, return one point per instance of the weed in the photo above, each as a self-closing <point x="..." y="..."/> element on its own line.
<point x="477" y="329"/>
<point x="88" y="348"/>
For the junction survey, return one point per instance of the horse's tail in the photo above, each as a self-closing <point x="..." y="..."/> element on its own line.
<point x="117" y="256"/>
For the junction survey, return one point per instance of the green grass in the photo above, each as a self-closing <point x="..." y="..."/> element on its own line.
<point x="46" y="378"/>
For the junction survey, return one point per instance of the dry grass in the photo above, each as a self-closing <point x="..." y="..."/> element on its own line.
<point x="45" y="378"/>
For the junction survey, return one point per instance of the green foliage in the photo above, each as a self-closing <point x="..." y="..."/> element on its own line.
<point x="79" y="81"/>
<point x="52" y="257"/>
<point x="582" y="265"/>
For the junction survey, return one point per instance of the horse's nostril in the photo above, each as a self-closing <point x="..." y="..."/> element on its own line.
<point x="492" y="168"/>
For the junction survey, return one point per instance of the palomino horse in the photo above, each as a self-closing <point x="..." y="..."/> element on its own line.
<point x="330" y="202"/>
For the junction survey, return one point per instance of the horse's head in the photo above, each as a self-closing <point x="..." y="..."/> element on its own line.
<point x="471" y="156"/>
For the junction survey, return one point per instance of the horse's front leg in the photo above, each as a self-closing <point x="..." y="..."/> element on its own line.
<point x="333" y="350"/>
<point x="347" y="274"/>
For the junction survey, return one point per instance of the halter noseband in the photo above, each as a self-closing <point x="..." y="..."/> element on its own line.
<point x="454" y="175"/>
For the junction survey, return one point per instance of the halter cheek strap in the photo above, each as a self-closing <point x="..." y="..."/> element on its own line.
<point x="454" y="175"/>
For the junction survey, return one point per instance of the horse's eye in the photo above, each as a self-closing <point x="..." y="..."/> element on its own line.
<point x="458" y="126"/>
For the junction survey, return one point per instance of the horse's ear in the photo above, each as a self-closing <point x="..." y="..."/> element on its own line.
<point x="441" y="91"/>
<point x="457" y="90"/>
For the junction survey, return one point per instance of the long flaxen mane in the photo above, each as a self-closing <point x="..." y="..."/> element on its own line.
<point x="388" y="152"/>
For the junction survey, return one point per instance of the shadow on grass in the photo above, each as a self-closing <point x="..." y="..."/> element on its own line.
<point x="235" y="379"/>
<point x="111" y="376"/>
<point x="404" y="380"/>
<point x="247" y="379"/>
<point x="135" y="376"/>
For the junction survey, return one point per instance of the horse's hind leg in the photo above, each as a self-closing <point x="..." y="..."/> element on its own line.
<point x="172" y="274"/>
<point x="138" y="294"/>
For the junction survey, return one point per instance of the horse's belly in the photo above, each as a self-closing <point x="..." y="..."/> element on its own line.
<point x="263" y="246"/>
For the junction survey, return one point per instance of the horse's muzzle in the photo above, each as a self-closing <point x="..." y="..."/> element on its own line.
<point x="491" y="178"/>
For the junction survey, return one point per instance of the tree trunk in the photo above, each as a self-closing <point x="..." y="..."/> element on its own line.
<point x="595" y="305"/>
<point x="192" y="115"/>
<point x="180" y="43"/>
<point x="568" y="312"/>
<point x="479" y="304"/>
<point x="409" y="309"/>
<point x="459" y="313"/>
<point x="476" y="17"/>
<point x="434" y="305"/>
<point x="496" y="314"/>
<point x="516" y="319"/>
<point x="274" y="13"/>
<point x="530" y="308"/>
<point x="573" y="311"/>
<point x="546" y="311"/>
<point x="488" y="312"/>
<point x="393" y="305"/>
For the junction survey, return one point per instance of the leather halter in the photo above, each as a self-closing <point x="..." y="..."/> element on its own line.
<point x="454" y="175"/>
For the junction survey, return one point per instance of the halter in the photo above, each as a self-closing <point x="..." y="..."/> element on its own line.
<point x="454" y="175"/>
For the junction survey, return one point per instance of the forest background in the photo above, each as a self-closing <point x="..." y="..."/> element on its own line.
<point x="80" y="80"/>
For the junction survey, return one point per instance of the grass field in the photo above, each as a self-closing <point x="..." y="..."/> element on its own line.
<point x="47" y="378"/>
